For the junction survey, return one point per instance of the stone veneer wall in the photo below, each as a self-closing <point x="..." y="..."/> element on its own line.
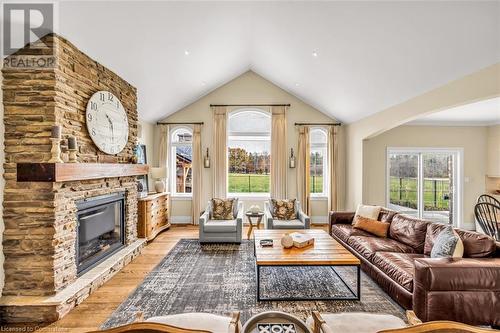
<point x="40" y="218"/>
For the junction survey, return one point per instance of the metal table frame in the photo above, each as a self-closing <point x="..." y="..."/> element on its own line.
<point x="356" y="296"/>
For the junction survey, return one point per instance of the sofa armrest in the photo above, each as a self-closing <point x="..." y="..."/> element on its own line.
<point x="458" y="285"/>
<point x="204" y="218"/>
<point x="339" y="218"/>
<point x="304" y="218"/>
<point x="268" y="218"/>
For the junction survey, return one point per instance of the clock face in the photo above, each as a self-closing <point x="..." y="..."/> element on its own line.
<point x="107" y="122"/>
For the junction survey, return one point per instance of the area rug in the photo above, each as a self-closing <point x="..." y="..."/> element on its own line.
<point x="220" y="278"/>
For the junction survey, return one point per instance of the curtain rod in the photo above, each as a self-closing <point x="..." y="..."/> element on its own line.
<point x="319" y="124"/>
<point x="180" y="123"/>
<point x="212" y="105"/>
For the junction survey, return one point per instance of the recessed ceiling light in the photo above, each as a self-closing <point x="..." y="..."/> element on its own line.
<point x="297" y="84"/>
<point x="186" y="52"/>
<point x="203" y="83"/>
<point x="315" y="53"/>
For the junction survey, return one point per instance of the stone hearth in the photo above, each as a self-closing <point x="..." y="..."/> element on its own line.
<point x="40" y="217"/>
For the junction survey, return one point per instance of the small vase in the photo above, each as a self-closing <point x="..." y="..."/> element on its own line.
<point x="287" y="241"/>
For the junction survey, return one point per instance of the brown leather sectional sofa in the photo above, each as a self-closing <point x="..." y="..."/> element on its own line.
<point x="464" y="289"/>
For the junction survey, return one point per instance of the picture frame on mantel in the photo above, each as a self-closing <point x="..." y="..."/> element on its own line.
<point x="140" y="153"/>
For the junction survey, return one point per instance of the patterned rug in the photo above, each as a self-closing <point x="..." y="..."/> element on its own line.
<point x="220" y="278"/>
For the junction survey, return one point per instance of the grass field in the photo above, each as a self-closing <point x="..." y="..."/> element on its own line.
<point x="404" y="193"/>
<point x="251" y="183"/>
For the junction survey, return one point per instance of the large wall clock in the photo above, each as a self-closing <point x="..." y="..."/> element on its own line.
<point x="107" y="122"/>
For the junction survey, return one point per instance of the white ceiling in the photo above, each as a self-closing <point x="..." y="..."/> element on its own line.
<point x="482" y="113"/>
<point x="371" y="55"/>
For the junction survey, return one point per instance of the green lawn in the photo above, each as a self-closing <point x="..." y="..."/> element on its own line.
<point x="404" y="193"/>
<point x="251" y="183"/>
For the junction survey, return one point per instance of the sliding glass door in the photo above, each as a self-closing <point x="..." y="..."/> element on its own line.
<point x="425" y="183"/>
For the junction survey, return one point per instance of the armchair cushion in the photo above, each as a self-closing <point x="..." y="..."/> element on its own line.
<point x="220" y="226"/>
<point x="283" y="209"/>
<point x="288" y="224"/>
<point x="196" y="321"/>
<point x="222" y="209"/>
<point x="357" y="322"/>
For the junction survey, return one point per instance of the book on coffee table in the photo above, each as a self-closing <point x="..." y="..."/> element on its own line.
<point x="301" y="240"/>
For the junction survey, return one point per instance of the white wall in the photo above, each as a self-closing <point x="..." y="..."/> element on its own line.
<point x="146" y="137"/>
<point x="248" y="88"/>
<point x="472" y="139"/>
<point x="483" y="84"/>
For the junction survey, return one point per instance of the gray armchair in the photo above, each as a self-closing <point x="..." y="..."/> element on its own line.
<point x="221" y="231"/>
<point x="302" y="222"/>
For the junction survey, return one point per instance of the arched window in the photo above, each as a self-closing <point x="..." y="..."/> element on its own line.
<point x="249" y="148"/>
<point x="318" y="162"/>
<point x="181" y="156"/>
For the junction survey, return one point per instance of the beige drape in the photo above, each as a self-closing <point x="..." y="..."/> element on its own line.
<point x="219" y="152"/>
<point x="163" y="154"/>
<point x="303" y="169"/>
<point x="279" y="165"/>
<point x="196" y="174"/>
<point x="333" y="168"/>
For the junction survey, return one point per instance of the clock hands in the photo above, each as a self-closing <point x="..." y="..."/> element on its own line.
<point x="112" y="129"/>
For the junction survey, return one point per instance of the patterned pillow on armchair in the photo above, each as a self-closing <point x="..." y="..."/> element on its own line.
<point x="222" y="209"/>
<point x="283" y="209"/>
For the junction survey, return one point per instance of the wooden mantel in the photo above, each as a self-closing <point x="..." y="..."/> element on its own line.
<point x="65" y="172"/>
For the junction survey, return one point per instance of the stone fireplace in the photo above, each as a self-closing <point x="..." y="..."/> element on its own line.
<point x="53" y="258"/>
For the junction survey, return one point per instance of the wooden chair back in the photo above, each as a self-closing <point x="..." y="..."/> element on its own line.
<point x="440" y="327"/>
<point x="488" y="198"/>
<point x="488" y="217"/>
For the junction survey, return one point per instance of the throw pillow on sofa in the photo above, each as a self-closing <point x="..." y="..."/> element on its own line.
<point x="283" y="209"/>
<point x="372" y="226"/>
<point x="448" y="245"/>
<point x="222" y="209"/>
<point x="370" y="212"/>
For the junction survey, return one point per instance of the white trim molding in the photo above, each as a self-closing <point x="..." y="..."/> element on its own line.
<point x="180" y="219"/>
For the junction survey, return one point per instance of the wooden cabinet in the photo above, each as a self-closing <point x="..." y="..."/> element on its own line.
<point x="154" y="215"/>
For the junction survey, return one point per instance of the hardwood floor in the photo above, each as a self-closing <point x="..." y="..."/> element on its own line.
<point x="98" y="306"/>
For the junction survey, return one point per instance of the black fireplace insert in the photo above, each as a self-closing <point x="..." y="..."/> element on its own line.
<point x="101" y="224"/>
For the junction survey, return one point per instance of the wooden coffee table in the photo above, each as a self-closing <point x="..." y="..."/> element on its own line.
<point x="326" y="251"/>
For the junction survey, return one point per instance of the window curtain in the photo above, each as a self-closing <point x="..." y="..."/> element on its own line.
<point x="303" y="169"/>
<point x="196" y="174"/>
<point x="220" y="152"/>
<point x="163" y="155"/>
<point x="279" y="165"/>
<point x="333" y="167"/>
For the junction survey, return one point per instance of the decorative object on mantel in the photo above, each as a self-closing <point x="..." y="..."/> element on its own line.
<point x="287" y="241"/>
<point x="140" y="153"/>
<point x="56" y="145"/>
<point x="206" y="160"/>
<point x="72" y="148"/>
<point x="159" y="173"/>
<point x="292" y="159"/>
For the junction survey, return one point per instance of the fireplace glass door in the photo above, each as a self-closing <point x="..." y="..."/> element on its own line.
<point x="100" y="229"/>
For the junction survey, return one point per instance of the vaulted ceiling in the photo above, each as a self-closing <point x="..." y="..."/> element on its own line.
<point x="347" y="59"/>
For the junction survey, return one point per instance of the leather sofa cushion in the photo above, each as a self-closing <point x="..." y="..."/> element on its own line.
<point x="368" y="245"/>
<point x="344" y="231"/>
<point x="476" y="245"/>
<point x="220" y="226"/>
<point x="409" y="230"/>
<point x="400" y="267"/>
<point x="386" y="215"/>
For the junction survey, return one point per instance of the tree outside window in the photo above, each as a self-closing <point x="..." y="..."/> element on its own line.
<point x="181" y="157"/>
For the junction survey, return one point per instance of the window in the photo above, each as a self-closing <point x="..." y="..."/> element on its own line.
<point x="425" y="183"/>
<point x="249" y="146"/>
<point x="181" y="155"/>
<point x="318" y="162"/>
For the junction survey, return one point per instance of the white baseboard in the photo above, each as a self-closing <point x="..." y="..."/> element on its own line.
<point x="181" y="219"/>
<point x="319" y="219"/>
